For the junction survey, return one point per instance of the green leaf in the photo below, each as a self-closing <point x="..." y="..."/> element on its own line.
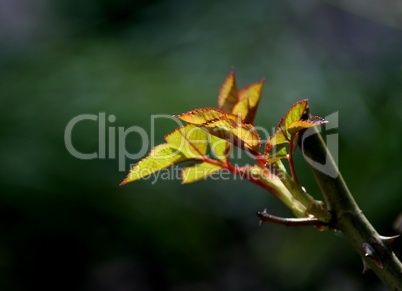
<point x="249" y="98"/>
<point x="205" y="115"/>
<point x="160" y="157"/>
<point x="198" y="172"/>
<point x="228" y="94"/>
<point x="191" y="140"/>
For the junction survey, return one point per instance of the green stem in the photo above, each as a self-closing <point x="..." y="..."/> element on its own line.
<point x="312" y="206"/>
<point x="292" y="185"/>
<point x="348" y="218"/>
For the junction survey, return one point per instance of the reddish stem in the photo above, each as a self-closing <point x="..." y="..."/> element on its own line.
<point x="240" y="171"/>
<point x="290" y="160"/>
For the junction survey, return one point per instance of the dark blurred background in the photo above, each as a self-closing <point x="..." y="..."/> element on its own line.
<point x="64" y="222"/>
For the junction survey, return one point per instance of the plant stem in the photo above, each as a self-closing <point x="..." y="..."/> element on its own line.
<point x="303" y="197"/>
<point x="280" y="191"/>
<point x="264" y="216"/>
<point x="348" y="218"/>
<point x="267" y="181"/>
<point x="291" y="163"/>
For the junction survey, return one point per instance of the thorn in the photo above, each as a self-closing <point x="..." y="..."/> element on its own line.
<point x="259" y="215"/>
<point x="388" y="240"/>
<point x="370" y="252"/>
<point x="398" y="223"/>
<point x="366" y="267"/>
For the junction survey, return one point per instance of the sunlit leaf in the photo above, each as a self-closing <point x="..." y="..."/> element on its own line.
<point x="278" y="138"/>
<point x="205" y="115"/>
<point x="219" y="147"/>
<point x="224" y="126"/>
<point x="249" y="98"/>
<point x="295" y="113"/>
<point x="278" y="152"/>
<point x="228" y="95"/>
<point x="160" y="157"/>
<point x="198" y="172"/>
<point x="298" y="125"/>
<point x="277" y="144"/>
<point x="241" y="135"/>
<point x="191" y="140"/>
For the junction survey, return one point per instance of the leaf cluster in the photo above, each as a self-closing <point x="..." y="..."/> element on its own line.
<point x="208" y="136"/>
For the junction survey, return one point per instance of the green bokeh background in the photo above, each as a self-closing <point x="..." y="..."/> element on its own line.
<point x="64" y="222"/>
